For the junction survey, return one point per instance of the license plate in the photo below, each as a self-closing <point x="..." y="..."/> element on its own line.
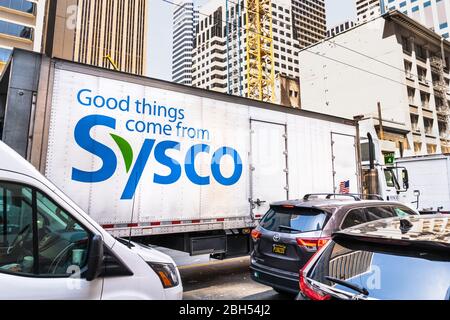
<point x="279" y="249"/>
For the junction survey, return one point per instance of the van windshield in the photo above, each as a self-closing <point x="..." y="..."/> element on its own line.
<point x="293" y="220"/>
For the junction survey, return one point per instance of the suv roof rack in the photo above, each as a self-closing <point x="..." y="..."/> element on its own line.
<point x="355" y="196"/>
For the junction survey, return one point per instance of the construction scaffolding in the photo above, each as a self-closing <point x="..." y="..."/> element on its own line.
<point x="260" y="51"/>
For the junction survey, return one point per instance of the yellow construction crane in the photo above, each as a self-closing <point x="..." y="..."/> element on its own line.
<point x="260" y="52"/>
<point x="111" y="61"/>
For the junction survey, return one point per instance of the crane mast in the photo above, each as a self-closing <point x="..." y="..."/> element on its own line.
<point x="260" y="51"/>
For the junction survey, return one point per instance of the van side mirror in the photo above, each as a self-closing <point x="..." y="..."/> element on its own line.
<point x="95" y="259"/>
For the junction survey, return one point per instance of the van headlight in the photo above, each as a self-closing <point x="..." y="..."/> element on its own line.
<point x="167" y="273"/>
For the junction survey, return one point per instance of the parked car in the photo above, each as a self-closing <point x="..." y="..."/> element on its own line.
<point x="293" y="231"/>
<point x="391" y="259"/>
<point x="51" y="249"/>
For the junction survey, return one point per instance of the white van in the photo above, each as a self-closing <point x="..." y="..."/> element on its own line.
<point x="51" y="249"/>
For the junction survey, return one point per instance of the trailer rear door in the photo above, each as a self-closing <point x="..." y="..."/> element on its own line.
<point x="269" y="172"/>
<point x="345" y="166"/>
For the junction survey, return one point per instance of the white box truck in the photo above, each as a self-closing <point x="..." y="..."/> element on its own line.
<point x="421" y="182"/>
<point x="429" y="183"/>
<point x="180" y="167"/>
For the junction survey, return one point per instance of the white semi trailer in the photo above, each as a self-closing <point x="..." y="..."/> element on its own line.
<point x="189" y="169"/>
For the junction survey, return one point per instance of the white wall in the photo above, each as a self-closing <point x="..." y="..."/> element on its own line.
<point x="336" y="87"/>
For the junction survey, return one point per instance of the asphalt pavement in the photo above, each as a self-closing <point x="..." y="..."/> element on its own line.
<point x="224" y="280"/>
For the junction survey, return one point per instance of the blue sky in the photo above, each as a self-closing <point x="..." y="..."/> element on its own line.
<point x="160" y="31"/>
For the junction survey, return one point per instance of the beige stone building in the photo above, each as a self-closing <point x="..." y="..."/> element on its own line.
<point x="287" y="91"/>
<point x="392" y="60"/>
<point x="89" y="31"/>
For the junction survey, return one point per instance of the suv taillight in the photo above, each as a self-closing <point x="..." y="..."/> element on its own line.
<point x="308" y="290"/>
<point x="256" y="234"/>
<point x="312" y="244"/>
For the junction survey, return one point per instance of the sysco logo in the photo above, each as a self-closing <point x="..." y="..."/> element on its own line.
<point x="150" y="147"/>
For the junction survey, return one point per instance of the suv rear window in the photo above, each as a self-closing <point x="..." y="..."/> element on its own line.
<point x="295" y="220"/>
<point x="386" y="272"/>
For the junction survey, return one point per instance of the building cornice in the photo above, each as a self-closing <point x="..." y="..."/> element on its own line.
<point x="416" y="27"/>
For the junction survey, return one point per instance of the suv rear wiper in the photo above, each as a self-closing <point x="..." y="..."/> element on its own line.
<point x="349" y="285"/>
<point x="288" y="228"/>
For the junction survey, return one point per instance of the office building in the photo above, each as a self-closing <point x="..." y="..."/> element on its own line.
<point x="185" y="18"/>
<point x="342" y="27"/>
<point x="398" y="63"/>
<point x="309" y="21"/>
<point x="220" y="54"/>
<point x="367" y="10"/>
<point x="434" y="14"/>
<point x="21" y="26"/>
<point x="91" y="31"/>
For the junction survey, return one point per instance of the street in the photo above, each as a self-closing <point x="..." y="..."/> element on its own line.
<point x="305" y="143"/>
<point x="224" y="280"/>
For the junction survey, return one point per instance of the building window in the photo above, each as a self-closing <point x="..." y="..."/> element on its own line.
<point x="443" y="130"/>
<point x="421" y="53"/>
<point x="422" y="74"/>
<point x="19" y="5"/>
<point x="440" y="107"/>
<point x="415" y="123"/>
<point x="408" y="69"/>
<point x="425" y="98"/>
<point x="417" y="147"/>
<point x="406" y="44"/>
<point x="431" y="148"/>
<point x="16" y="30"/>
<point x="428" y="125"/>
<point x="411" y="95"/>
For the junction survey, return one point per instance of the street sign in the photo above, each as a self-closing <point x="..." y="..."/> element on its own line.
<point x="389" y="158"/>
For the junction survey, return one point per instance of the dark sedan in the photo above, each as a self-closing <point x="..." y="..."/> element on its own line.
<point x="391" y="259"/>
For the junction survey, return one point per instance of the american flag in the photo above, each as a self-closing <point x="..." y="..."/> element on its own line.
<point x="344" y="187"/>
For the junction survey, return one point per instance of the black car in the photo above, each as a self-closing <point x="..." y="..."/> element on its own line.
<point x="391" y="259"/>
<point x="291" y="232"/>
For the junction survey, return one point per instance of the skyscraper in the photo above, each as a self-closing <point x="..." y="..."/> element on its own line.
<point x="220" y="49"/>
<point x="434" y="14"/>
<point x="185" y="18"/>
<point x="209" y="56"/>
<point x="367" y="10"/>
<point x="342" y="27"/>
<point x="89" y="31"/>
<point x="309" y="21"/>
<point x="21" y="24"/>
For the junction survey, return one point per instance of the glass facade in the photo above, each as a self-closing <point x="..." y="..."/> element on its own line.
<point x="16" y="30"/>
<point x="19" y="5"/>
<point x="4" y="55"/>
